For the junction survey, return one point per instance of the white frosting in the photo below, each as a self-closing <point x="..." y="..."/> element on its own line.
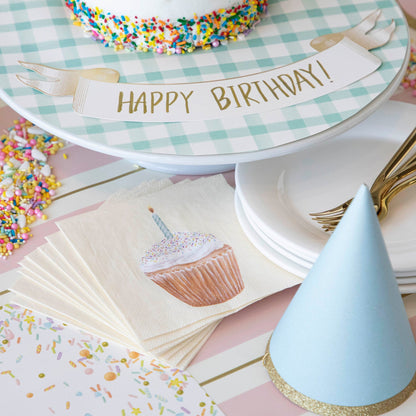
<point x="164" y="9"/>
<point x="182" y="248"/>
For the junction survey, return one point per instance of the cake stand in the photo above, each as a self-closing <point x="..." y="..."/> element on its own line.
<point x="42" y="32"/>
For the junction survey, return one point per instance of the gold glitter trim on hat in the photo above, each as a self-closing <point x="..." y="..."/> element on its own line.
<point x="326" y="409"/>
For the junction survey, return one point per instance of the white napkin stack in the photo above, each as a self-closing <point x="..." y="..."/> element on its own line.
<point x="89" y="274"/>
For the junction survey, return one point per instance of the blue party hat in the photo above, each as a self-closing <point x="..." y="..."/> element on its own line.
<point x="344" y="345"/>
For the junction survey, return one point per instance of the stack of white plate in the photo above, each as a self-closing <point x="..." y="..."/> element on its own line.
<point x="275" y="196"/>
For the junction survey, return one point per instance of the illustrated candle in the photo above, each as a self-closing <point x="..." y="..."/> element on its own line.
<point x="161" y="224"/>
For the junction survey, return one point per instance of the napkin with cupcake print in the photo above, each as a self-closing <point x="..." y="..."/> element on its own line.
<point x="156" y="268"/>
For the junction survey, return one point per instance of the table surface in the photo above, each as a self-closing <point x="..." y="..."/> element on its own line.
<point x="229" y="365"/>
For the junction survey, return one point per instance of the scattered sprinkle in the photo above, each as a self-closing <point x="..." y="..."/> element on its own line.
<point x="27" y="184"/>
<point x="409" y="80"/>
<point x="40" y="332"/>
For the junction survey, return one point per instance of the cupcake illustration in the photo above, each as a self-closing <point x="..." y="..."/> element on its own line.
<point x="196" y="268"/>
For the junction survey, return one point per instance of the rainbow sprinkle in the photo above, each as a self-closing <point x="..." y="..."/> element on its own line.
<point x="409" y="80"/>
<point x="170" y="37"/>
<point x="26" y="182"/>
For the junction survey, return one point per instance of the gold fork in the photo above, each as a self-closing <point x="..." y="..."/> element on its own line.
<point x="385" y="195"/>
<point x="383" y="188"/>
<point x="379" y="190"/>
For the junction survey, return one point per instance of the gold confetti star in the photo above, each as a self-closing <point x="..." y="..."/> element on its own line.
<point x="135" y="411"/>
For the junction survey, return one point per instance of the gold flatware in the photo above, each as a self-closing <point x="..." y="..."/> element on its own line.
<point x="398" y="174"/>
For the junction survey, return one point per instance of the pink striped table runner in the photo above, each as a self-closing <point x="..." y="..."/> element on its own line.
<point x="229" y="365"/>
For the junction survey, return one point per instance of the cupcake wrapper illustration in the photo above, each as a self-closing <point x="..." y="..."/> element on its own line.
<point x="211" y="280"/>
<point x="195" y="267"/>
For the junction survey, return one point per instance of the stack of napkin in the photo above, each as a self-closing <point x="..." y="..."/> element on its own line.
<point x="154" y="268"/>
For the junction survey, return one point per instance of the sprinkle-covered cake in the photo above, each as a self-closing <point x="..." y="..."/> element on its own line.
<point x="166" y="26"/>
<point x="196" y="268"/>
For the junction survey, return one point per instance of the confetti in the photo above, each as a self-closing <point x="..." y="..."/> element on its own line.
<point x="56" y="377"/>
<point x="409" y="80"/>
<point x="26" y="182"/>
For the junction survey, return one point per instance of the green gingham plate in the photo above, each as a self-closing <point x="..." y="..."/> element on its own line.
<point x="40" y="31"/>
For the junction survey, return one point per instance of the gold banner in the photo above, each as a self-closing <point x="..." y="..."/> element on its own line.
<point x="342" y="59"/>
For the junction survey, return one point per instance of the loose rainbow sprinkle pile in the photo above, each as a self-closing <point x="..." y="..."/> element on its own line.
<point x="170" y="37"/>
<point x="26" y="181"/>
<point x="409" y="80"/>
<point x="59" y="368"/>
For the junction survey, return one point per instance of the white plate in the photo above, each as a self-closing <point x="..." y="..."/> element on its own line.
<point x="406" y="284"/>
<point x="402" y="277"/>
<point x="407" y="289"/>
<point x="304" y="265"/>
<point x="277" y="254"/>
<point x="280" y="193"/>
<point x="273" y="255"/>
